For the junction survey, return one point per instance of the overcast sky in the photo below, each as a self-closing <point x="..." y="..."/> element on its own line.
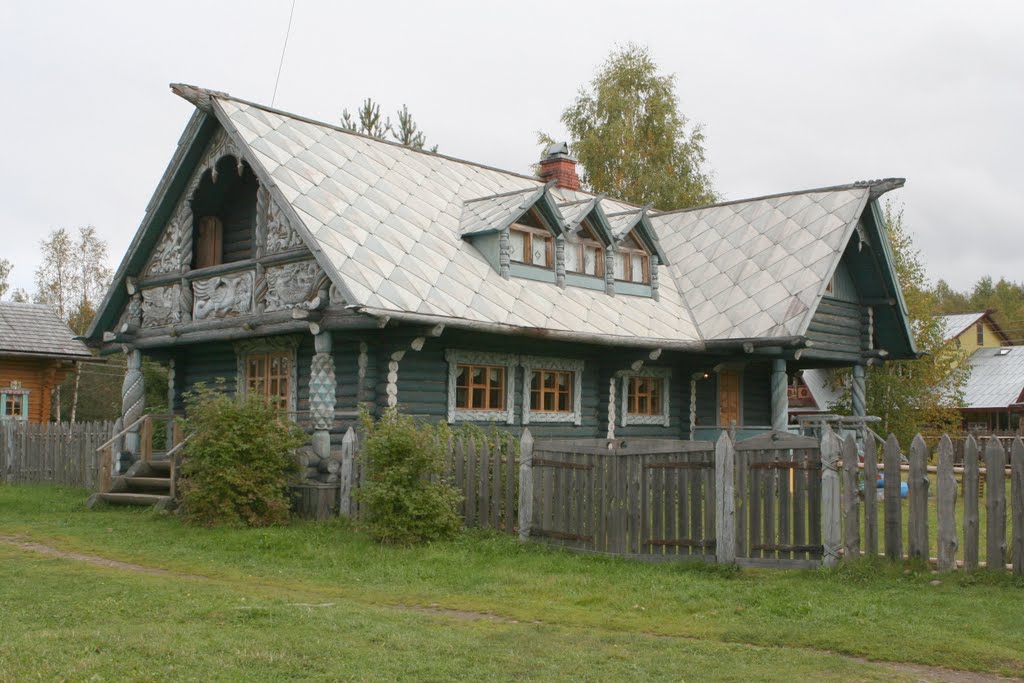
<point x="792" y="95"/>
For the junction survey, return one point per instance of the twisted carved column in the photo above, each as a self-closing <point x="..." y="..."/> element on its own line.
<point x="133" y="399"/>
<point x="322" y="386"/>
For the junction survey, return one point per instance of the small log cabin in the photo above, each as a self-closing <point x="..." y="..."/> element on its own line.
<point x="36" y="351"/>
<point x="329" y="271"/>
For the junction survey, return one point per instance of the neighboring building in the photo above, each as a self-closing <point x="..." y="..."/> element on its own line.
<point x="36" y="351"/>
<point x="327" y="271"/>
<point x="812" y="391"/>
<point x="972" y="331"/>
<point x="994" y="394"/>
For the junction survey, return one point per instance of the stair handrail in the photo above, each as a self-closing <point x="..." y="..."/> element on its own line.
<point x="172" y="457"/>
<point x="121" y="433"/>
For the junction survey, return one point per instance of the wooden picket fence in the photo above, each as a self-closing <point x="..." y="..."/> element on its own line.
<point x="956" y="543"/>
<point x="52" y="453"/>
<point x="485" y="469"/>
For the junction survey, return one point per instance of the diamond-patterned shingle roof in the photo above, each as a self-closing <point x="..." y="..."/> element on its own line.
<point x="37" y="330"/>
<point x="997" y="377"/>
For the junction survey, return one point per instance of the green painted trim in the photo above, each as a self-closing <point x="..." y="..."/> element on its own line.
<point x="584" y="281"/>
<point x="889" y="270"/>
<point x="532" y="272"/>
<point x="632" y="288"/>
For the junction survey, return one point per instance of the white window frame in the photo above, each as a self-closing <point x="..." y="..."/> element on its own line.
<point x="509" y="361"/>
<point x="533" y="363"/>
<point x="665" y="375"/>
<point x="279" y="344"/>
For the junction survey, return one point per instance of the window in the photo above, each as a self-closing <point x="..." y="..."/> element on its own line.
<point x="645" y="396"/>
<point x="269" y="375"/>
<point x="552" y="389"/>
<point x="585" y="254"/>
<point x="481" y="386"/>
<point x="531" y="243"/>
<point x="14" y="403"/>
<point x="980" y="329"/>
<point x="632" y="262"/>
<point x="267" y="368"/>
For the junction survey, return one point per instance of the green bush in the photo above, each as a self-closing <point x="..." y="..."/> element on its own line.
<point x="238" y="460"/>
<point x="404" y="488"/>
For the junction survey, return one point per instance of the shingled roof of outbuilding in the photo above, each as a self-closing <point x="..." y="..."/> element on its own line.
<point x="36" y="330"/>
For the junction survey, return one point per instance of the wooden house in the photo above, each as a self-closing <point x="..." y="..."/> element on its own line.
<point x="327" y="270"/>
<point x="994" y="394"/>
<point x="36" y="351"/>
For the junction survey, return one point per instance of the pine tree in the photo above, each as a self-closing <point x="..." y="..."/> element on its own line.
<point x="368" y="121"/>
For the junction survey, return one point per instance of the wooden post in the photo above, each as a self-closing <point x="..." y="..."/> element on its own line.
<point x="780" y="395"/>
<point x="525" y="485"/>
<point x="946" y="493"/>
<point x="970" y="484"/>
<point x="146" y="439"/>
<point x="917" y="525"/>
<point x="831" y="525"/>
<point x="349" y="446"/>
<point x="1017" y="504"/>
<point x="725" y="500"/>
<point x="995" y="504"/>
<point x="870" y="496"/>
<point x="893" y="507"/>
<point x="851" y="501"/>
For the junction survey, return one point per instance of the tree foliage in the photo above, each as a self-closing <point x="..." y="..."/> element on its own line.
<point x="923" y="394"/>
<point x="408" y="499"/>
<point x="5" y="273"/>
<point x="239" y="460"/>
<point x="369" y="121"/>
<point x="631" y="138"/>
<point x="1005" y="297"/>
<point x="73" y="275"/>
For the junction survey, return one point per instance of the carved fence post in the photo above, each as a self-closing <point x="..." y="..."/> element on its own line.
<point x="349" y="447"/>
<point x="525" y="485"/>
<point x="946" y="499"/>
<point x="725" y="500"/>
<point x="831" y="526"/>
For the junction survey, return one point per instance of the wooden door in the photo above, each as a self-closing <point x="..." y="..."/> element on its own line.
<point x="728" y="397"/>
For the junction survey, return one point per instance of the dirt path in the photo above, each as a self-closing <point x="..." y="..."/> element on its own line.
<point x="926" y="674"/>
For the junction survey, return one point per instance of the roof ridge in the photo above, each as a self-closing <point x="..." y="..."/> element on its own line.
<point x="857" y="185"/>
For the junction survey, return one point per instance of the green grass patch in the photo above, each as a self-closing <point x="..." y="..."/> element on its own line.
<point x="601" y="618"/>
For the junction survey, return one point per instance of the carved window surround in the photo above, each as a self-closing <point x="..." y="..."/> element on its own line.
<point x="624" y="376"/>
<point x="510" y="361"/>
<point x="532" y="363"/>
<point x="283" y="343"/>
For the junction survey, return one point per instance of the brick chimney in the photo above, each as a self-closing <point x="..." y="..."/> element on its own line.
<point x="558" y="166"/>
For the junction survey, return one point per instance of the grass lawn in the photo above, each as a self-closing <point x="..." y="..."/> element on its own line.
<point x="322" y="602"/>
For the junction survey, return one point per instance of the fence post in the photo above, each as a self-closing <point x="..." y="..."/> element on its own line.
<point x="870" y="496"/>
<point x="851" y="502"/>
<point x="831" y="521"/>
<point x="349" y="444"/>
<point x="893" y="504"/>
<point x="971" y="518"/>
<point x="1017" y="503"/>
<point x="995" y="504"/>
<point x="917" y="524"/>
<point x="725" y="500"/>
<point x="525" y="484"/>
<point x="946" y="495"/>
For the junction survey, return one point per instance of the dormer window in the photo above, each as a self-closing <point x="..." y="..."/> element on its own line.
<point x="632" y="262"/>
<point x="531" y="243"/>
<point x="584" y="253"/>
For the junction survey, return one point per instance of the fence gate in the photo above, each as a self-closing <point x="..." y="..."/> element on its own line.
<point x="778" y="501"/>
<point x="650" y="498"/>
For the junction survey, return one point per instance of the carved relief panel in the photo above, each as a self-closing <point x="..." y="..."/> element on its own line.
<point x="160" y="306"/>
<point x="291" y="284"/>
<point x="281" y="236"/>
<point x="222" y="296"/>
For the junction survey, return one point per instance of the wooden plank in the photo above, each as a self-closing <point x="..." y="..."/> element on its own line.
<point x="677" y="507"/>
<point x="754" y="504"/>
<point x="851" y="499"/>
<point x="972" y="543"/>
<point x="784" y="483"/>
<point x="800" y="502"/>
<point x="483" y="511"/>
<point x="893" y="508"/>
<point x="995" y="504"/>
<point x="917" y="483"/>
<point x="776" y="441"/>
<point x="831" y="529"/>
<point x="511" y="473"/>
<point x="870" y="496"/>
<point x="710" y="516"/>
<point x="459" y="455"/>
<point x="946" y="506"/>
<point x="1017" y="504"/>
<point x="771" y="495"/>
<point x="725" y="501"/>
<point x="660" y="511"/>
<point x="496" y="481"/>
<point x="696" y="499"/>
<point x="345" y="479"/>
<point x="742" y="502"/>
<point x="471" y="482"/>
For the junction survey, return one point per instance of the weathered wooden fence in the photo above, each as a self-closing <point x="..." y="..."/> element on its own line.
<point x="909" y="536"/>
<point x="653" y="499"/>
<point x="484" y="468"/>
<point x="52" y="453"/>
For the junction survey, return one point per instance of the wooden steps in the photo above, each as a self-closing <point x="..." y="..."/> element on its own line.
<point x="144" y="484"/>
<point x="160" y="502"/>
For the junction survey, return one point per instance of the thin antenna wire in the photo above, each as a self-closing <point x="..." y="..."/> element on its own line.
<point x="284" y="48"/>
